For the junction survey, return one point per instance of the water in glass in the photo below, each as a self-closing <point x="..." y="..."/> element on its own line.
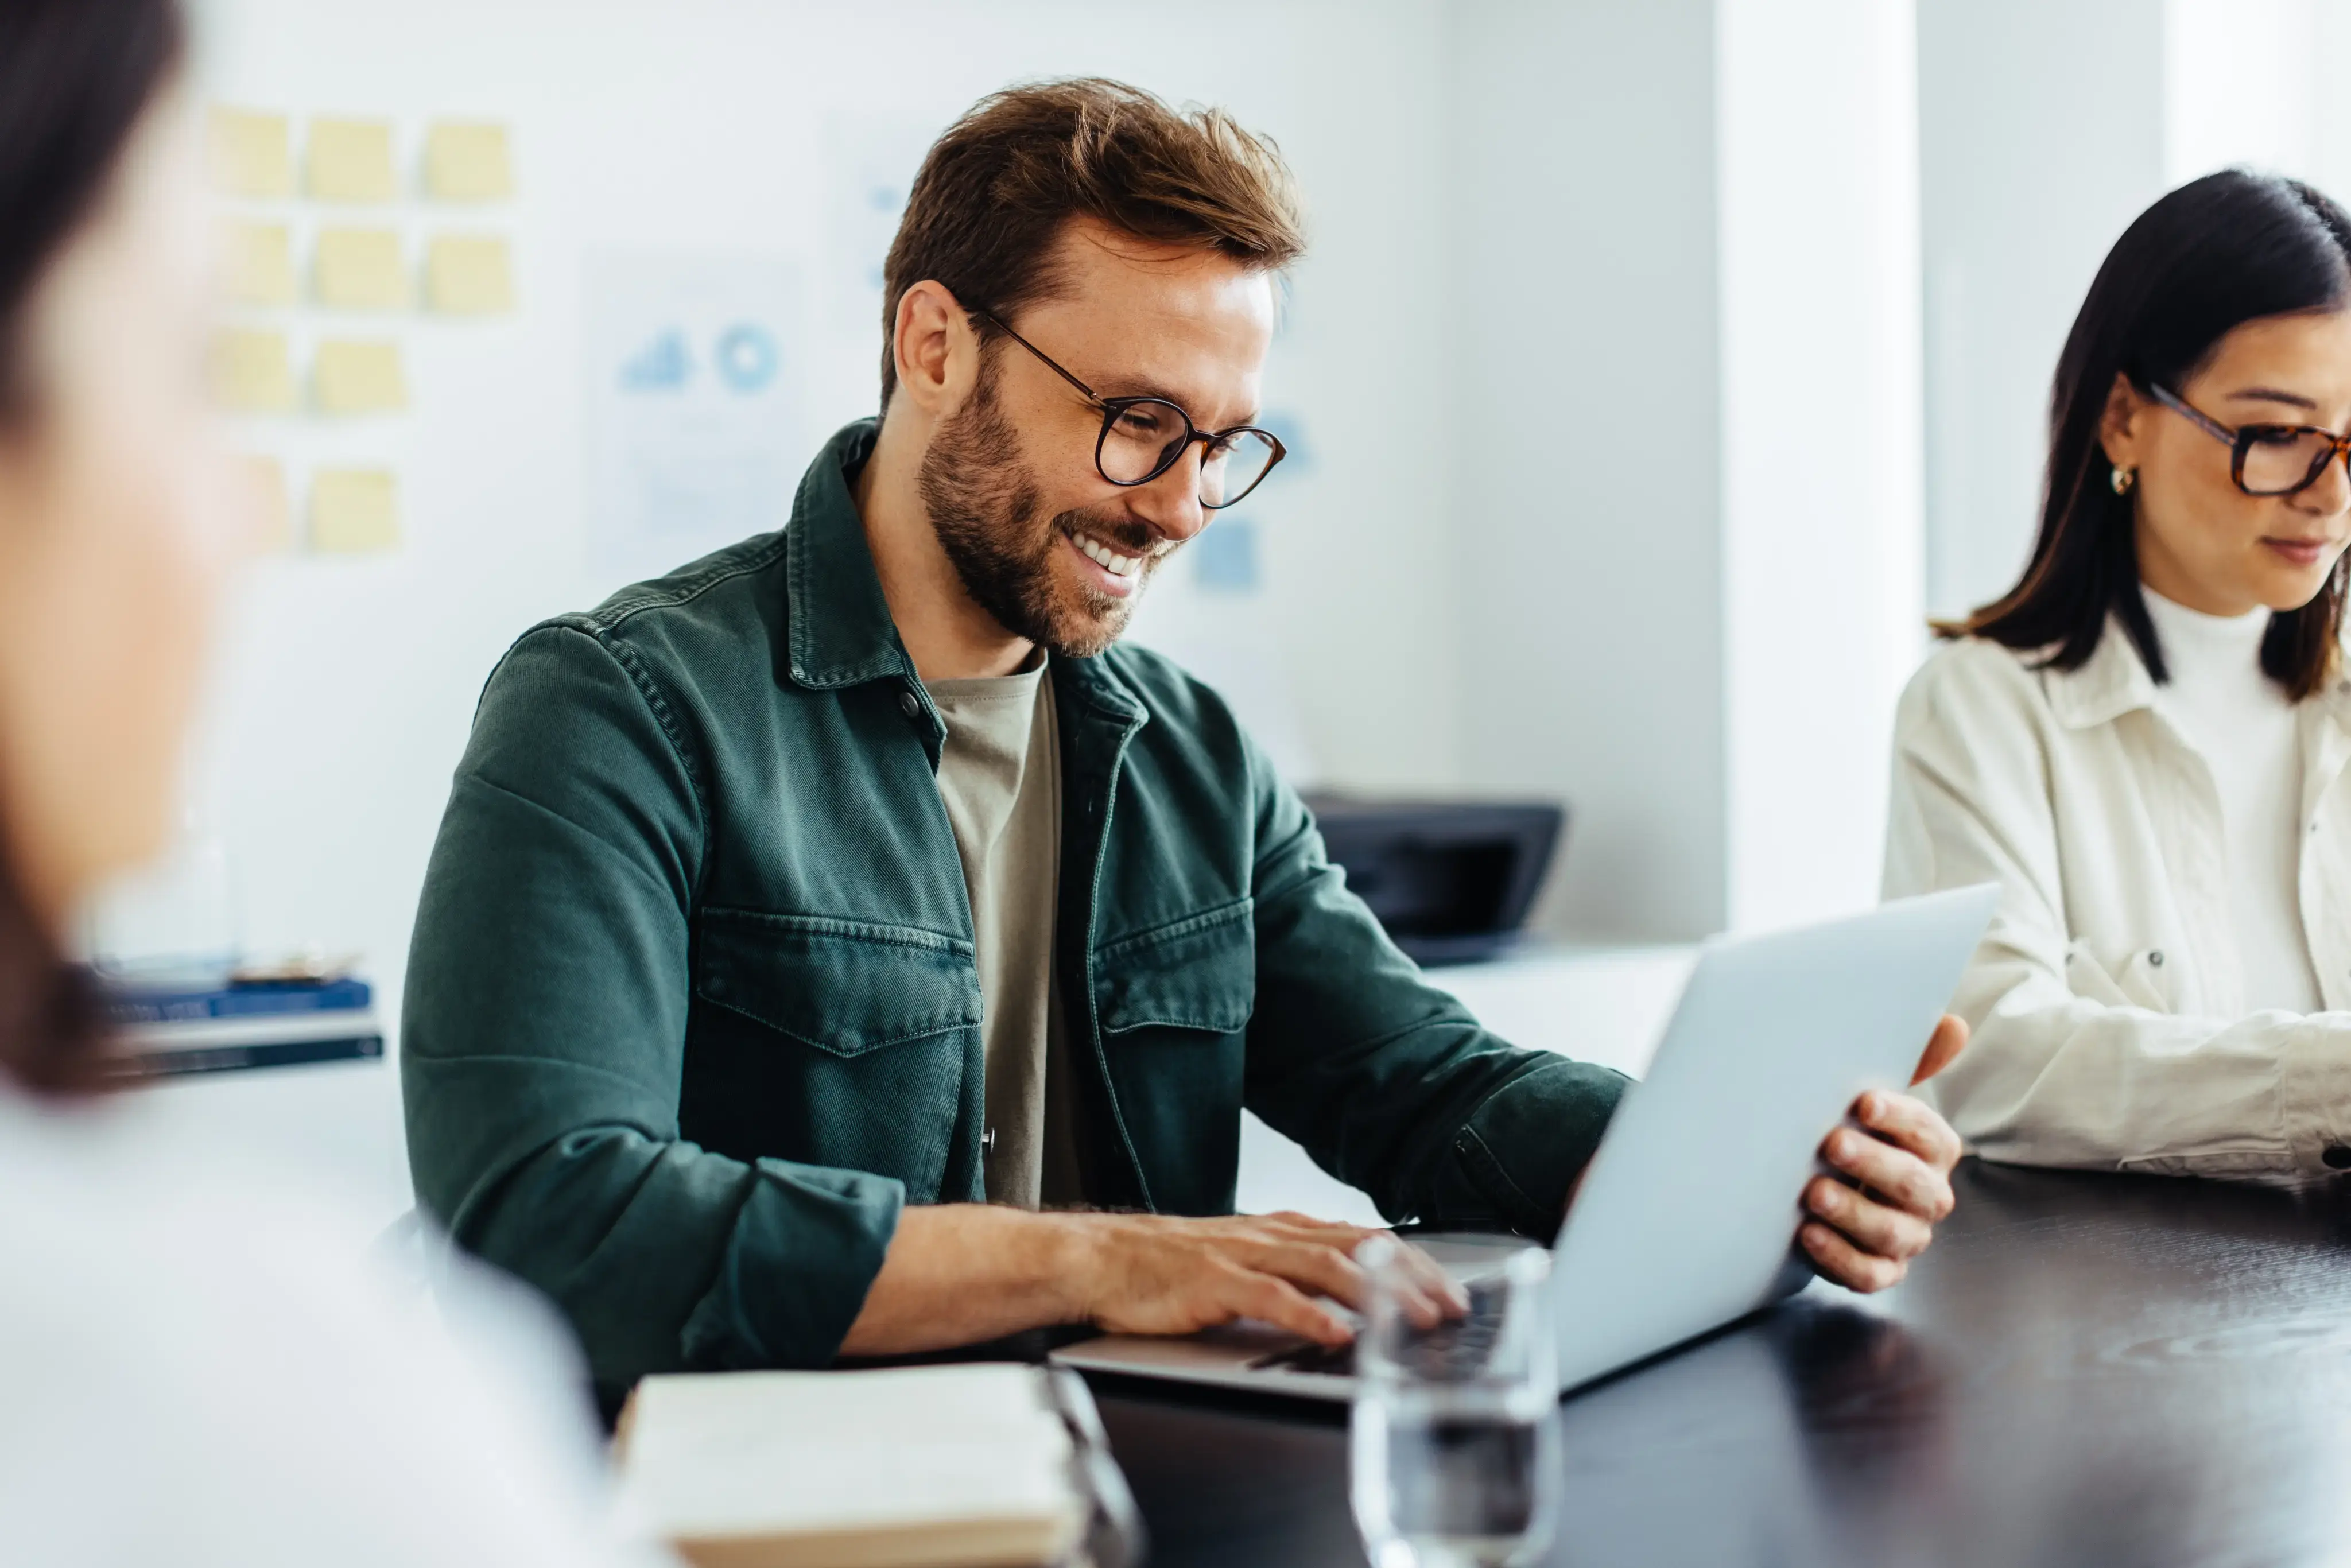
<point x="1455" y="1436"/>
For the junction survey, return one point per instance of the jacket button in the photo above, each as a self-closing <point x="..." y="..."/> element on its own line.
<point x="2156" y="958"/>
<point x="988" y="1146"/>
<point x="910" y="705"/>
<point x="2337" y="1157"/>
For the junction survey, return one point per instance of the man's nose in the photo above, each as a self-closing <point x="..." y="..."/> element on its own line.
<point x="1170" y="504"/>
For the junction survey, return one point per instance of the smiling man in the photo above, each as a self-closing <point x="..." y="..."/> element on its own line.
<point x="843" y="946"/>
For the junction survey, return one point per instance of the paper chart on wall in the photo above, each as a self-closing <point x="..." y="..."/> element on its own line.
<point x="872" y="162"/>
<point x="694" y="392"/>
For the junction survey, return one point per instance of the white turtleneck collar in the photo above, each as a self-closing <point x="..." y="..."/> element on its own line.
<point x="2242" y="724"/>
<point x="2201" y="645"/>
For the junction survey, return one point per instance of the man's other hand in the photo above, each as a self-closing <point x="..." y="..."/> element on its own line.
<point x="1898" y="1162"/>
<point x="1157" y="1274"/>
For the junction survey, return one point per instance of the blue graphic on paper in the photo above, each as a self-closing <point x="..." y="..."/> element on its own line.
<point x="1224" y="559"/>
<point x="694" y="431"/>
<point x="662" y="365"/>
<point x="871" y="159"/>
<point x="748" y="357"/>
<point x="885" y="203"/>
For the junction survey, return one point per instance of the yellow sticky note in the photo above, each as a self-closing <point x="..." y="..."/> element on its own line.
<point x="265" y="481"/>
<point x="350" y="160"/>
<point x="466" y="161"/>
<point x="359" y="377"/>
<point x="252" y="372"/>
<point x="257" y="262"/>
<point x="354" y="510"/>
<point x="360" y="269"/>
<point x="469" y="275"/>
<point x="252" y="154"/>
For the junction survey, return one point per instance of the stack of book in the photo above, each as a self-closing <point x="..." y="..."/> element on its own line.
<point x="161" y="1032"/>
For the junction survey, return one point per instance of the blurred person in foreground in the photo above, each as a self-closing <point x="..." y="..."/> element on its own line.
<point x="195" y="1373"/>
<point x="2143" y="740"/>
<point x="845" y="946"/>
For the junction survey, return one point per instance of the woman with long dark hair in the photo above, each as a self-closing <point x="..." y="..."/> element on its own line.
<point x="187" y="1376"/>
<point x="2144" y="741"/>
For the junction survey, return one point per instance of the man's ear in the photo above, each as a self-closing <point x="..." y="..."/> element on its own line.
<point x="932" y="346"/>
<point x="2118" y="423"/>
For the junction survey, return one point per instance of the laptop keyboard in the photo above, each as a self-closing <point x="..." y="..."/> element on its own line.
<point x="1454" y="1349"/>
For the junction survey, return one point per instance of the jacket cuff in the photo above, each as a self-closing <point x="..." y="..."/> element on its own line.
<point x="803" y="1254"/>
<point x="2314" y="1097"/>
<point x="1523" y="1147"/>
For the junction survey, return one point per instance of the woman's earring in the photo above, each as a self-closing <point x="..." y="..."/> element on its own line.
<point x="2122" y="480"/>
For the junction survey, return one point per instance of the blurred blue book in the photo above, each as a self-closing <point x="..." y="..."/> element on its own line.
<point x="147" y="1004"/>
<point x="180" y="1047"/>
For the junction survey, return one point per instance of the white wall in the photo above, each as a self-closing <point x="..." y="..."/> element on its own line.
<point x="346" y="687"/>
<point x="2237" y="89"/>
<point x="2041" y="136"/>
<point x="1587" y="477"/>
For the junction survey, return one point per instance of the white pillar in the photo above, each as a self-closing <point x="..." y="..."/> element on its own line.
<point x="1824" y="592"/>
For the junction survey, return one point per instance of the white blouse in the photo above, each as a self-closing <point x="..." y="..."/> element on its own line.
<point x="2124" y="1003"/>
<point x="217" y="1378"/>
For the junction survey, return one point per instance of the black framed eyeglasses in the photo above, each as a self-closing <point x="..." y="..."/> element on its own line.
<point x="2265" y="459"/>
<point x="1143" y="437"/>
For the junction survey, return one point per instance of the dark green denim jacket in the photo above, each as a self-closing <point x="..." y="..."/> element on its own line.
<point x="692" y="1010"/>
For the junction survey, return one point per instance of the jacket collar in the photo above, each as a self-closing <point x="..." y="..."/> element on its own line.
<point x="2112" y="682"/>
<point x="841" y="634"/>
<point x="2335" y="703"/>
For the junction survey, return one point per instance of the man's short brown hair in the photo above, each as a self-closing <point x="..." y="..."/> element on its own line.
<point x="995" y="191"/>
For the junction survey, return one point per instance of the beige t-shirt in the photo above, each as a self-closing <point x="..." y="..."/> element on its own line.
<point x="1000" y="780"/>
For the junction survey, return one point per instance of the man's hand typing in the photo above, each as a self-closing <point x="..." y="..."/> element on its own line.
<point x="962" y="1273"/>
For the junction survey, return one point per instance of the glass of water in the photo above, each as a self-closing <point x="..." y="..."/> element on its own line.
<point x="1454" y="1444"/>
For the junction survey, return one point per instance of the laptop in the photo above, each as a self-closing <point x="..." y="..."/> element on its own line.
<point x="1686" y="1220"/>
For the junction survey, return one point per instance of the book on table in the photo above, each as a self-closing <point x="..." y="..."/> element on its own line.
<point x="923" y="1467"/>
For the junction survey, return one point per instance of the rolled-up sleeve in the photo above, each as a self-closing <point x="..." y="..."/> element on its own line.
<point x="543" y="1037"/>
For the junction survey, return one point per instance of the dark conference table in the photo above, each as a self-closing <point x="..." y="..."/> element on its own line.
<point x="2086" y="1369"/>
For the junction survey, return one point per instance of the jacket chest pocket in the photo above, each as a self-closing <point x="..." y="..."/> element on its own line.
<point x="1197" y="975"/>
<point x="1174" y="1006"/>
<point x="836" y="1042"/>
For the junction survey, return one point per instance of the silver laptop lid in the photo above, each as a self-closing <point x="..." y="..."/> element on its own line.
<point x="1684" y="1221"/>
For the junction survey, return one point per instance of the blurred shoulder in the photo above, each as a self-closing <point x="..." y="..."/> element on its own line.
<point x="1974" y="681"/>
<point x="224" y="1351"/>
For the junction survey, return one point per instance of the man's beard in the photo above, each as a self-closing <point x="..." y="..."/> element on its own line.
<point x="983" y="502"/>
